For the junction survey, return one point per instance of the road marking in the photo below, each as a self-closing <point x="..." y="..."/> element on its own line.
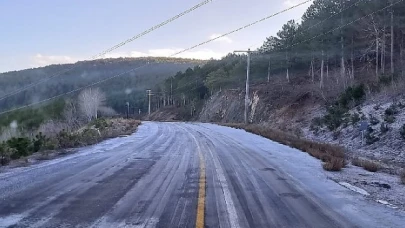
<point x="199" y="223"/>
<point x="201" y="194"/>
<point x="230" y="206"/>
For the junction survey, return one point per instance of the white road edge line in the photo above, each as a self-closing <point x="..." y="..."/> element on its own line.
<point x="230" y="206"/>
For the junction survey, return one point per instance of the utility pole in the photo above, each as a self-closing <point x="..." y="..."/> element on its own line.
<point x="127" y="110"/>
<point x="171" y="90"/>
<point x="149" y="93"/>
<point x="247" y="83"/>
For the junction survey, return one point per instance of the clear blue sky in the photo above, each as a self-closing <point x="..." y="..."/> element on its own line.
<point x="42" y="32"/>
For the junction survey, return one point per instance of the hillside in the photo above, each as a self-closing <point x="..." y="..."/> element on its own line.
<point x="129" y="87"/>
<point x="342" y="64"/>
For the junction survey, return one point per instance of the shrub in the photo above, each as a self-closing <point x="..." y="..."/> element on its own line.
<point x="357" y="162"/>
<point x="389" y="119"/>
<point x="316" y="124"/>
<point x="38" y="142"/>
<point x="390" y="113"/>
<point x="370" y="166"/>
<point x="5" y="153"/>
<point x="370" y="136"/>
<point x="100" y="123"/>
<point x="21" y="146"/>
<point x="89" y="136"/>
<point x="333" y="119"/>
<point x="384" y="128"/>
<point x="67" y="140"/>
<point x="392" y="110"/>
<point x="335" y="164"/>
<point x="352" y="94"/>
<point x="336" y="112"/>
<point x="402" y="131"/>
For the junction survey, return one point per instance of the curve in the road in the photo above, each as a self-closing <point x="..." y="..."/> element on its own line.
<point x="184" y="175"/>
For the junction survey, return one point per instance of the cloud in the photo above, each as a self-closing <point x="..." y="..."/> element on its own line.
<point x="44" y="60"/>
<point x="167" y="52"/>
<point x="224" y="39"/>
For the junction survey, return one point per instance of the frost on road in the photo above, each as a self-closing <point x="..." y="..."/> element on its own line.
<point x="153" y="177"/>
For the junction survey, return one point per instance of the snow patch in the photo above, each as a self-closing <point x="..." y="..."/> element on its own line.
<point x="387" y="204"/>
<point x="354" y="188"/>
<point x="10" y="220"/>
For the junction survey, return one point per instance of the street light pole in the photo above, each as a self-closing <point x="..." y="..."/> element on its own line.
<point x="247" y="83"/>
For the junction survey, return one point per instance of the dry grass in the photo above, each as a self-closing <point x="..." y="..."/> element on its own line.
<point x="335" y="164"/>
<point x="333" y="156"/>
<point x="357" y="162"/>
<point x="119" y="126"/>
<point x="370" y="166"/>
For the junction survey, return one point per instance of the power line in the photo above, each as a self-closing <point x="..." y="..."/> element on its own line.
<point x="248" y="25"/>
<point x="322" y="21"/>
<point x="177" y="53"/>
<point x="321" y="34"/>
<point x="59" y="73"/>
<point x="310" y="27"/>
<point x="243" y="27"/>
<point x="342" y="26"/>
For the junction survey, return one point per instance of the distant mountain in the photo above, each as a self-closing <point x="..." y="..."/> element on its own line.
<point x="128" y="87"/>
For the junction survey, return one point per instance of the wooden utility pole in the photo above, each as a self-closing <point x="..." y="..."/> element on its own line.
<point x="247" y="83"/>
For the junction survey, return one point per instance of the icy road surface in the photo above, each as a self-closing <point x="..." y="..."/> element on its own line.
<point x="185" y="175"/>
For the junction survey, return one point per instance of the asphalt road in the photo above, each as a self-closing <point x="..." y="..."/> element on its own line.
<point x="184" y="175"/>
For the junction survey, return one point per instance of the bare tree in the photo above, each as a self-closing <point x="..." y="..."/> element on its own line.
<point x="287" y="63"/>
<point x="268" y="73"/>
<point x="322" y="67"/>
<point x="312" y="70"/>
<point x="90" y="100"/>
<point x="392" y="44"/>
<point x="342" y="47"/>
<point x="383" y="46"/>
<point x="71" y="115"/>
<point x="352" y="60"/>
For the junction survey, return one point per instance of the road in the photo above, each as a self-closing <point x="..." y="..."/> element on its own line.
<point x="184" y="175"/>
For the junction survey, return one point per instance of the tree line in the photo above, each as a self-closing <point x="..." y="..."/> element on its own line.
<point x="337" y="44"/>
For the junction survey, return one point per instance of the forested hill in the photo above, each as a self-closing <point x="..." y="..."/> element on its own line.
<point x="337" y="44"/>
<point x="128" y="87"/>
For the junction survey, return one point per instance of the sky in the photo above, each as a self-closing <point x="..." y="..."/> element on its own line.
<point x="43" y="32"/>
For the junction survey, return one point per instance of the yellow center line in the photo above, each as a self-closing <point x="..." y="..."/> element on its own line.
<point x="201" y="194"/>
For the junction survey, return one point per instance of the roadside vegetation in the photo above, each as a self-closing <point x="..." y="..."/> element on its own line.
<point x="332" y="156"/>
<point x="60" y="125"/>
